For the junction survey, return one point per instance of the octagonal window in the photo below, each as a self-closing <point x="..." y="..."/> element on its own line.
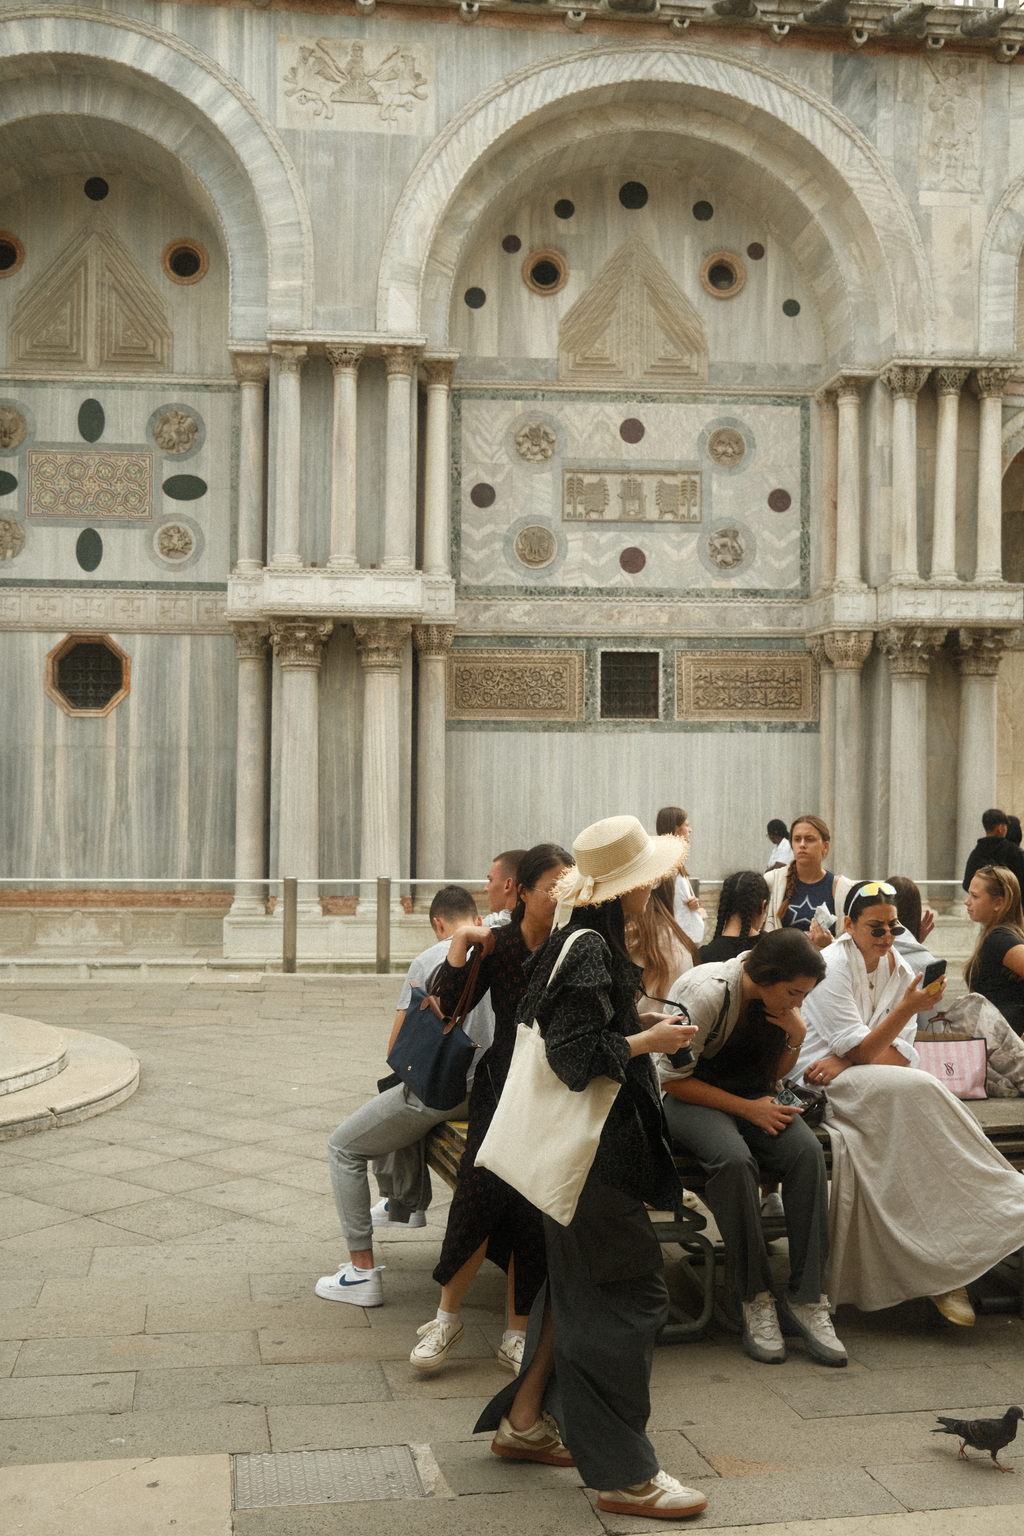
<point x="88" y="674"/>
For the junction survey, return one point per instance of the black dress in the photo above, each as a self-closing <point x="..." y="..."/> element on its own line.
<point x="994" y="980"/>
<point x="484" y="1207"/>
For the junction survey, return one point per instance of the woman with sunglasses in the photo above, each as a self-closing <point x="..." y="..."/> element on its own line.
<point x="905" y="1152"/>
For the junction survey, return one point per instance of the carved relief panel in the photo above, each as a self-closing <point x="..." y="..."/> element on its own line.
<point x="515" y="685"/>
<point x="746" y="685"/>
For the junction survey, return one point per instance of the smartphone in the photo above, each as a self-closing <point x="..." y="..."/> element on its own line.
<point x="933" y="975"/>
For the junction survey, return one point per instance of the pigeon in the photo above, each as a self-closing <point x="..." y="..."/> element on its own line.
<point x="984" y="1434"/>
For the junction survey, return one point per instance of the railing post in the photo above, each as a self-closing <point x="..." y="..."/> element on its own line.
<point x="383" y="925"/>
<point x="290" y="925"/>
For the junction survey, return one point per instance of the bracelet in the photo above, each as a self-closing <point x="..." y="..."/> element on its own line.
<point x="790" y="1046"/>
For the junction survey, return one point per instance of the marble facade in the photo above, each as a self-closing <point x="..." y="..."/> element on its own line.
<point x="418" y="370"/>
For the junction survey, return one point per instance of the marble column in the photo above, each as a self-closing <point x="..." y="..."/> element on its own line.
<point x="847" y="650"/>
<point x="989" y="384"/>
<point x="848" y="484"/>
<point x="904" y="384"/>
<point x="252" y="369"/>
<point x="288" y="471"/>
<point x="948" y="384"/>
<point x="298" y="646"/>
<point x="910" y="650"/>
<point x="439" y="372"/>
<point x="345" y="362"/>
<point x="250" y="769"/>
<point x="979" y="652"/>
<point x="432" y="642"/>
<point x="380" y="643"/>
<point x="826" y="728"/>
<point x="398" y="530"/>
<point x="828" y="425"/>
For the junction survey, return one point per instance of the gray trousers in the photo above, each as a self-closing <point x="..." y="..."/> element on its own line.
<point x="736" y="1155"/>
<point x="392" y="1130"/>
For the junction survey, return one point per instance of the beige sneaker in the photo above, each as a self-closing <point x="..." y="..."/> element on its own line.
<point x="956" y="1306"/>
<point x="436" y="1342"/>
<point x="541" y="1442"/>
<point x="662" y="1498"/>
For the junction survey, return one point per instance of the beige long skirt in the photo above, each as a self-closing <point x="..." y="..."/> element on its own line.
<point x="921" y="1201"/>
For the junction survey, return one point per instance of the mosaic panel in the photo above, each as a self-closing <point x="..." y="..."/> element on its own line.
<point x="90" y="484"/>
<point x="746" y="685"/>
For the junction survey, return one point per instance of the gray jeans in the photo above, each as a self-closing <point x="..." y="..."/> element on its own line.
<point x="392" y="1130"/>
<point x="735" y="1155"/>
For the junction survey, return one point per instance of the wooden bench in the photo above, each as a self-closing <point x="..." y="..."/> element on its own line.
<point x="1002" y="1120"/>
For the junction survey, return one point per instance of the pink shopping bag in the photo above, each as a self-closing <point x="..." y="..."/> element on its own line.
<point x="958" y="1064"/>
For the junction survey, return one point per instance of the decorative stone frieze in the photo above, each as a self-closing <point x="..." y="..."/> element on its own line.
<point x="950" y="381"/>
<point x="515" y="685"/>
<point x="910" y="650"/>
<point x="251" y="640"/>
<point x="990" y="383"/>
<point x="289" y="357"/>
<point x="903" y="381"/>
<point x="848" y="649"/>
<point x="399" y="360"/>
<point x="979" y="651"/>
<point x="380" y="642"/>
<point x="138" y="612"/>
<point x="433" y="639"/>
<point x="345" y="359"/>
<point x="300" y="642"/>
<point x="631" y="496"/>
<point x="746" y="685"/>
<point x="251" y="367"/>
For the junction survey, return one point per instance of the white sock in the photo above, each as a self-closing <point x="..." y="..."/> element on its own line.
<point x="447" y="1317"/>
<point x="514" y="1333"/>
<point x="360" y="1271"/>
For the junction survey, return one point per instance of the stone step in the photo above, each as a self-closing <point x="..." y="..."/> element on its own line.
<point x="97" y="1075"/>
<point x="30" y="1052"/>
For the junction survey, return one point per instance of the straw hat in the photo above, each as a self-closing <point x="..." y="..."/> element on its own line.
<point x="612" y="857"/>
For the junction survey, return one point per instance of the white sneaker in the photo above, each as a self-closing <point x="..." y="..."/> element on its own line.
<point x="812" y="1321"/>
<point x="762" y="1336"/>
<point x="362" y="1287"/>
<point x="663" y="1497"/>
<point x="437" y="1340"/>
<point x="510" y="1354"/>
<point x="772" y="1207"/>
<point x="382" y="1217"/>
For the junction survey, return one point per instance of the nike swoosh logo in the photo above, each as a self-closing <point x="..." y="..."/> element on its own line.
<point x="354" y="1282"/>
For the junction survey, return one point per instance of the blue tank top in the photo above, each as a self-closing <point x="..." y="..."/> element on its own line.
<point x="806" y="898"/>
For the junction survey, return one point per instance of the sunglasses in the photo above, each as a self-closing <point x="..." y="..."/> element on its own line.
<point x="875" y="888"/>
<point x="876" y="930"/>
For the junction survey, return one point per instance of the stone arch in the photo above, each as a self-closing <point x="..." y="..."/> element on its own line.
<point x="999" y="276"/>
<point x="850" y="197"/>
<point x="183" y="101"/>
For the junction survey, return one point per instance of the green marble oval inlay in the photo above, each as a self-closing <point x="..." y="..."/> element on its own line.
<point x="8" y="483"/>
<point x="89" y="549"/>
<point x="185" y="487"/>
<point x="91" y="420"/>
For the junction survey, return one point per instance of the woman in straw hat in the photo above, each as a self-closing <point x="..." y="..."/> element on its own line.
<point x="606" y="1299"/>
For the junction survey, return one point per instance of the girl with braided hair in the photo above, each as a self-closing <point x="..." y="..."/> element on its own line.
<point x="796" y="892"/>
<point x="741" y="912"/>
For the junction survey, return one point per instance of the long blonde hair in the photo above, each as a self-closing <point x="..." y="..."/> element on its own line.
<point x="646" y="935"/>
<point x="821" y="827"/>
<point x="1001" y="884"/>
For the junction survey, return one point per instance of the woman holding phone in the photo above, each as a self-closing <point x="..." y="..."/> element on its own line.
<point x="905" y="1152"/>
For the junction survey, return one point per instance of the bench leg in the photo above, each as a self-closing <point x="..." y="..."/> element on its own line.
<point x="680" y="1328"/>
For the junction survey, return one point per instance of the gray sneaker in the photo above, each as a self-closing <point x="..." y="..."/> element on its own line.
<point x="811" y="1320"/>
<point x="762" y="1336"/>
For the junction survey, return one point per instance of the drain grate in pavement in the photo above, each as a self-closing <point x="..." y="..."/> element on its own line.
<point x="267" y="1481"/>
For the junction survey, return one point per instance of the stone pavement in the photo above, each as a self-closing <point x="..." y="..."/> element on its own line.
<point x="157" y="1314"/>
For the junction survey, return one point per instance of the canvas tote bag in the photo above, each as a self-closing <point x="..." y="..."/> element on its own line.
<point x="543" y="1137"/>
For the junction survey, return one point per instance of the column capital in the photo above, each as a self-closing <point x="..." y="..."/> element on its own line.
<point x="289" y="358"/>
<point x="826" y="397"/>
<point x="399" y="359"/>
<point x="433" y="639"/>
<point x="251" y="367"/>
<point x="903" y="380"/>
<point x="950" y="381"/>
<point x="380" y="642"/>
<point x="344" y="359"/>
<point x="848" y="386"/>
<point x="816" y="645"/>
<point x="989" y="383"/>
<point x="439" y="371"/>
<point x="251" y="639"/>
<point x="848" y="649"/>
<point x="910" y="649"/>
<point x="979" y="651"/>
<point x="300" y="642"/>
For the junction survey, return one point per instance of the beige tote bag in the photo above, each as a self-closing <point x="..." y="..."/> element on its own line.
<point x="543" y="1137"/>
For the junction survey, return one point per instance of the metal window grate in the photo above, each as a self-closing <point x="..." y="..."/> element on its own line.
<point x="272" y="1480"/>
<point x="89" y="676"/>
<point x="629" y="685"/>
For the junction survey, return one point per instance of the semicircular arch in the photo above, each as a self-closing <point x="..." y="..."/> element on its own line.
<point x="851" y="200"/>
<point x="203" y="117"/>
<point x="1000" y="323"/>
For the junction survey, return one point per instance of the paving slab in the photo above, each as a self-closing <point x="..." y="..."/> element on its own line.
<point x="836" y="1393"/>
<point x="561" y="1511"/>
<point x="223" y="1254"/>
<point x="103" y="1436"/>
<point x="307" y="1313"/>
<point x="18" y="1215"/>
<point x="89" y="1232"/>
<point x="25" y="1397"/>
<point x="125" y="1352"/>
<point x="176" y="1176"/>
<point x="349" y="1382"/>
<point x="136" y="1497"/>
<point x="86" y="1319"/>
<point x="167" y="1217"/>
<point x="945" y="1482"/>
<point x="311" y="1426"/>
<point x="156" y="1289"/>
<point x="324" y="1343"/>
<point x="91" y="1196"/>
